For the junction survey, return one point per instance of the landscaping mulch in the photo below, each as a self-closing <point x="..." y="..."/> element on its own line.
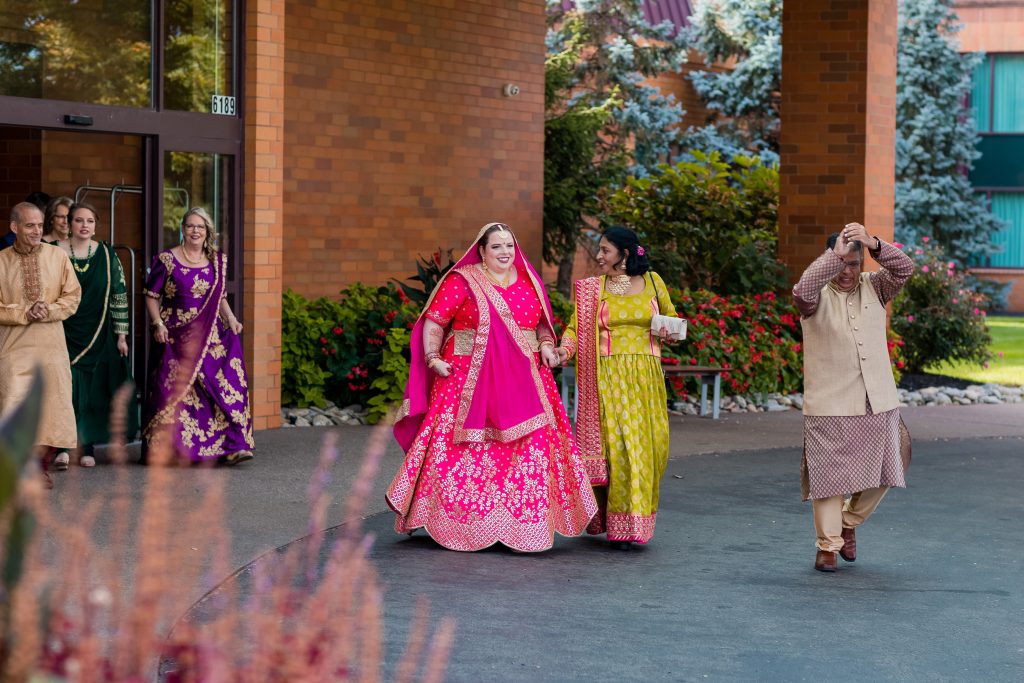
<point x="914" y="381"/>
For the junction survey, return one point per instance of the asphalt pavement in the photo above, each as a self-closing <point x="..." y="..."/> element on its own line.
<point x="725" y="591"/>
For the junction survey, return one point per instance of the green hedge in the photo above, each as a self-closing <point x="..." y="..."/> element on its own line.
<point x="356" y="350"/>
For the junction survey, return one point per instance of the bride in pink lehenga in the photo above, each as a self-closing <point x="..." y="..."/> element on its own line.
<point x="489" y="452"/>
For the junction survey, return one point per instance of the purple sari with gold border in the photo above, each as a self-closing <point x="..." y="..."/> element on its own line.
<point x="198" y="393"/>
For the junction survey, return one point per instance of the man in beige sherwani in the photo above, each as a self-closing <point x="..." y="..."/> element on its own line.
<point x="855" y="444"/>
<point x="38" y="289"/>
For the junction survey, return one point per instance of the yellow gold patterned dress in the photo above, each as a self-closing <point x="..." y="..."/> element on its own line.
<point x="632" y="405"/>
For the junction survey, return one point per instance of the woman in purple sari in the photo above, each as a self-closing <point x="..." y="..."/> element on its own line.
<point x="198" y="396"/>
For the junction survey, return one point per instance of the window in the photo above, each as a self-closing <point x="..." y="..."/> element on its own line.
<point x="198" y="60"/>
<point x="1009" y="206"/>
<point x="96" y="52"/>
<point x="997" y="94"/>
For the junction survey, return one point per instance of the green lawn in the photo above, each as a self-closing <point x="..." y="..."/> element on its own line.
<point x="1008" y="338"/>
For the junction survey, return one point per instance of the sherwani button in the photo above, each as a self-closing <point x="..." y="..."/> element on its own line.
<point x="863" y="357"/>
<point x="853" y="317"/>
<point x="856" y="329"/>
<point x="860" y="343"/>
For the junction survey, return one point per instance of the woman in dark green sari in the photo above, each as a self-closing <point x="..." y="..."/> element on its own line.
<point x="97" y="336"/>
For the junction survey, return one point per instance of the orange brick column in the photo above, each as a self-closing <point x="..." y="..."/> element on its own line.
<point x="838" y="123"/>
<point x="264" y="185"/>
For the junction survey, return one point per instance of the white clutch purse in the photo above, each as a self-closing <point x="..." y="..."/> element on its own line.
<point x="676" y="326"/>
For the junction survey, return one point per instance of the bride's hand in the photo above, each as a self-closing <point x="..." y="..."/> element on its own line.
<point x="441" y="368"/>
<point x="550" y="357"/>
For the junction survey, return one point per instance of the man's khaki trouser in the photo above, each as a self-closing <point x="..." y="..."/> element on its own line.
<point x="833" y="514"/>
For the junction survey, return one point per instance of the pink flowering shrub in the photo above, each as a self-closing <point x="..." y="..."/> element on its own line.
<point x="940" y="314"/>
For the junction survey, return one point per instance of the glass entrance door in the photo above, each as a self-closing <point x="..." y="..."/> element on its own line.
<point x="207" y="180"/>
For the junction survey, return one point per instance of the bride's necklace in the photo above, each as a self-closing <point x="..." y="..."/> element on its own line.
<point x="194" y="262"/>
<point x="617" y="284"/>
<point x="77" y="262"/>
<point x="501" y="283"/>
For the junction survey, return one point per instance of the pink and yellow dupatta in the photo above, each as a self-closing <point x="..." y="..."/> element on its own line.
<point x="588" y="413"/>
<point x="503" y="398"/>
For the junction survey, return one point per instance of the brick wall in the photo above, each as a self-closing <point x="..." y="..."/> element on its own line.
<point x="991" y="25"/>
<point x="264" y="216"/>
<point x="398" y="138"/>
<point x="838" y="109"/>
<point x="71" y="159"/>
<point x="678" y="84"/>
<point x="20" y="167"/>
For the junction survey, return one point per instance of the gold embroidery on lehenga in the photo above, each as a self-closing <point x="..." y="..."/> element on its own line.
<point x="236" y="365"/>
<point x="172" y="373"/>
<point x="228" y="392"/>
<point x="186" y="316"/>
<point x="199" y="286"/>
<point x="214" y="449"/>
<point x="192" y="399"/>
<point x="189" y="429"/>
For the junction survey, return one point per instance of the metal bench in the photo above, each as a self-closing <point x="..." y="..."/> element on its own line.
<point x="707" y="375"/>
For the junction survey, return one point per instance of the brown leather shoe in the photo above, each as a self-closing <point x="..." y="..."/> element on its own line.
<point x="825" y="561"/>
<point x="849" y="550"/>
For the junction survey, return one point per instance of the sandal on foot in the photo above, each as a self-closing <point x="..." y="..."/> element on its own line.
<point x="238" y="456"/>
<point x="87" y="461"/>
<point x="61" y="461"/>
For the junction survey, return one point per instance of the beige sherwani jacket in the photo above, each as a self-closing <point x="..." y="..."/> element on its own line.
<point x="845" y="352"/>
<point x="44" y="274"/>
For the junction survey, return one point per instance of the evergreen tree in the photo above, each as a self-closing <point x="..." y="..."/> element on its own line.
<point x="744" y="100"/>
<point x="614" y="53"/>
<point x="936" y="142"/>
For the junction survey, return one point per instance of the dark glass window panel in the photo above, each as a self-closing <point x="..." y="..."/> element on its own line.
<point x="198" y="53"/>
<point x="96" y="51"/>
<point x="198" y="179"/>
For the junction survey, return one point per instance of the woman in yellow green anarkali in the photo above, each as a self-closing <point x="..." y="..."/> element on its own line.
<point x="622" y="421"/>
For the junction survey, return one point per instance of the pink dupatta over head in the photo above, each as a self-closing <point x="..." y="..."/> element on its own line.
<point x="503" y="399"/>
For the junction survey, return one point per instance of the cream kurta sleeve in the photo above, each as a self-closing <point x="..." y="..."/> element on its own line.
<point x="69" y="297"/>
<point x="12" y="313"/>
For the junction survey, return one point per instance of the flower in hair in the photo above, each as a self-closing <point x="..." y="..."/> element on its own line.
<point x="640" y="251"/>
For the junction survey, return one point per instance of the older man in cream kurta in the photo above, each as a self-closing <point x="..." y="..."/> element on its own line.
<point x="855" y="443"/>
<point x="38" y="290"/>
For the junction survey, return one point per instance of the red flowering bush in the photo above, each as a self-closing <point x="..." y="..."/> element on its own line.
<point x="756" y="337"/>
<point x="345" y="350"/>
<point x="939" y="314"/>
<point x="354" y="351"/>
